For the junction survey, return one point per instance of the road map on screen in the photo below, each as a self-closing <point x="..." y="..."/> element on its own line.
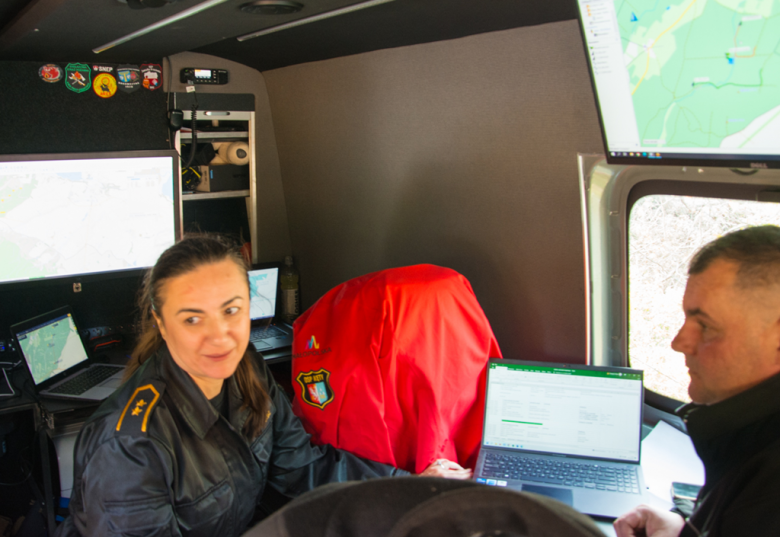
<point x="64" y="217"/>
<point x="703" y="73"/>
<point x="52" y="348"/>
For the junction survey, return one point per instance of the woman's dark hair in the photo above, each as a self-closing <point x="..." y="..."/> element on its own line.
<point x="192" y="252"/>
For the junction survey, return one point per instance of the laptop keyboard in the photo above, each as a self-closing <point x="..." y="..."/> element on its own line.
<point x="88" y="379"/>
<point x="265" y="332"/>
<point x="591" y="476"/>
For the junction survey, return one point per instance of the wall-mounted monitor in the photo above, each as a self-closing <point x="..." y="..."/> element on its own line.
<point x="75" y="214"/>
<point x="687" y="82"/>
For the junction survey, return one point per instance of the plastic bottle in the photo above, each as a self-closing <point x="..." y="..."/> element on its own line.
<point x="288" y="282"/>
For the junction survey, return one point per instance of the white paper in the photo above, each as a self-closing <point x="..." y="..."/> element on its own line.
<point x="668" y="455"/>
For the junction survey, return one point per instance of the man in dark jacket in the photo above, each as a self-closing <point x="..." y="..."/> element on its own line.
<point x="731" y="342"/>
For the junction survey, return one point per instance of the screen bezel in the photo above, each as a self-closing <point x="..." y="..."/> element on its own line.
<point x="95" y="276"/>
<point x="760" y="162"/>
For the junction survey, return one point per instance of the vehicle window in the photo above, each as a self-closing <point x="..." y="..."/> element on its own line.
<point x="663" y="234"/>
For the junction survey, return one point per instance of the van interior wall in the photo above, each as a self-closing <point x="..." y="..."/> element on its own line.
<point x="460" y="153"/>
<point x="273" y="233"/>
<point x="38" y="117"/>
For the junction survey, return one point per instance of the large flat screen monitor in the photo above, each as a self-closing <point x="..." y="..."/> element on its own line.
<point x="686" y="81"/>
<point x="86" y="213"/>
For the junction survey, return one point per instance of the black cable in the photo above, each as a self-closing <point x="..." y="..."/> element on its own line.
<point x="194" y="145"/>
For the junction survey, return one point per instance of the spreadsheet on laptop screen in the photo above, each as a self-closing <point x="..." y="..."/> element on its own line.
<point x="587" y="413"/>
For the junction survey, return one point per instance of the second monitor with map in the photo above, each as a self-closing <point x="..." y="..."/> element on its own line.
<point x="58" y="361"/>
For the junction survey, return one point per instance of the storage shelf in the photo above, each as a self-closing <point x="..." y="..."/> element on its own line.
<point x="238" y="135"/>
<point x="215" y="195"/>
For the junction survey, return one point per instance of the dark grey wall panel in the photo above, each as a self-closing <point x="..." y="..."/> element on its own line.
<point x="460" y="153"/>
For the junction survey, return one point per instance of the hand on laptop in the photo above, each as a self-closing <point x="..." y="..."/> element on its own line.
<point x="447" y="469"/>
<point x="649" y="521"/>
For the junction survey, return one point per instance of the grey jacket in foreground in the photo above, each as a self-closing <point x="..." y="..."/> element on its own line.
<point x="157" y="459"/>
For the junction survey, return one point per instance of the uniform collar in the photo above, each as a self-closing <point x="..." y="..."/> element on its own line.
<point x="705" y="422"/>
<point x="190" y="401"/>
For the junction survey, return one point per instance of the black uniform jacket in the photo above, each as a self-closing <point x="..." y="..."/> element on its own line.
<point x="738" y="440"/>
<point x="157" y="459"/>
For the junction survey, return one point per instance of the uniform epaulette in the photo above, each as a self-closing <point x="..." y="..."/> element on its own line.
<point x="138" y="410"/>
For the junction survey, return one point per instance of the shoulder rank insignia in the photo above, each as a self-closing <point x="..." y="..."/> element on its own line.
<point x="135" y="416"/>
<point x="315" y="387"/>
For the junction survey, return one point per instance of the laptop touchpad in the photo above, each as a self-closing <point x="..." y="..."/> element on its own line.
<point x="562" y="495"/>
<point x="112" y="383"/>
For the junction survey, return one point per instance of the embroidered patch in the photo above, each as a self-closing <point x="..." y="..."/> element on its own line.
<point x="104" y="85"/>
<point x="78" y="77"/>
<point x="135" y="416"/>
<point x="128" y="78"/>
<point x="315" y="388"/>
<point x="152" y="73"/>
<point x="50" y="73"/>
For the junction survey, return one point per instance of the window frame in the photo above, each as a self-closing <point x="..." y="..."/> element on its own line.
<point x="607" y="194"/>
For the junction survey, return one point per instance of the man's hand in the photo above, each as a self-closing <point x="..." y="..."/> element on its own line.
<point x="649" y="522"/>
<point x="447" y="469"/>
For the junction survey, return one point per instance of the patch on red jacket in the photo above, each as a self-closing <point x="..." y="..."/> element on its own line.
<point x="315" y="387"/>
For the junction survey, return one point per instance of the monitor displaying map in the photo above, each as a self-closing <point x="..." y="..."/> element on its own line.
<point x="694" y="81"/>
<point x="78" y="214"/>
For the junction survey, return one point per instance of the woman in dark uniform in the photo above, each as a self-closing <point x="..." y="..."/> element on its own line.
<point x="187" y="445"/>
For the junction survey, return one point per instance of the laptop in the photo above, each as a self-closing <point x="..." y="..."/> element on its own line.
<point x="266" y="333"/>
<point x="571" y="432"/>
<point x="58" y="361"/>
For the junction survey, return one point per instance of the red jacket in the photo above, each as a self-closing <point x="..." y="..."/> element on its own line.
<point x="391" y="366"/>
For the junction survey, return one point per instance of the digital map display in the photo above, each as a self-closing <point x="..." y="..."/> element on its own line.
<point x="698" y="74"/>
<point x="64" y="217"/>
<point x="52" y="348"/>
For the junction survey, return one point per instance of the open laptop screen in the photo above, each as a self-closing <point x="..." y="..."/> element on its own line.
<point x="262" y="293"/>
<point x="573" y="410"/>
<point x="51" y="347"/>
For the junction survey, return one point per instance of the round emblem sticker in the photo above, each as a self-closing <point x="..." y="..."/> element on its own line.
<point x="50" y="73"/>
<point x="104" y="85"/>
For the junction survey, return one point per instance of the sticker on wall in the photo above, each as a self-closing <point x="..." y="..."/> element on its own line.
<point x="104" y="85"/>
<point x="128" y="78"/>
<point x="102" y="68"/>
<point x="152" y="73"/>
<point x="78" y="77"/>
<point x="50" y="73"/>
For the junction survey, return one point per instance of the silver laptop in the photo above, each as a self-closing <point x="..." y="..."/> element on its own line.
<point x="267" y="333"/>
<point x="571" y="432"/>
<point x="58" y="361"/>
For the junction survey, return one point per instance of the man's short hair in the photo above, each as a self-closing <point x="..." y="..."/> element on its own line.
<point x="755" y="249"/>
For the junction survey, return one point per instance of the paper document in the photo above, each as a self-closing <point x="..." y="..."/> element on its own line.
<point x="668" y="455"/>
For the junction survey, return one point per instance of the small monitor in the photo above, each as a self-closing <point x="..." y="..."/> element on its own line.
<point x="86" y="213"/>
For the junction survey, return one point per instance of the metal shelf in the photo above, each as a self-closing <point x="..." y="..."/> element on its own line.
<point x="214" y="195"/>
<point x="207" y="135"/>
